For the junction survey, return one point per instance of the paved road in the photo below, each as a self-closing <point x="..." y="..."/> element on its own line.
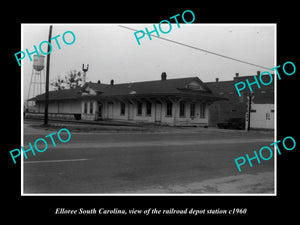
<point x="141" y="162"/>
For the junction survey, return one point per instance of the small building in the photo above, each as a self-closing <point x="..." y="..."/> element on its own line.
<point x="175" y="102"/>
<point x="262" y="111"/>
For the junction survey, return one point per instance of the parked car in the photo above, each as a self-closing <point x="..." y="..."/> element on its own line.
<point x="233" y="123"/>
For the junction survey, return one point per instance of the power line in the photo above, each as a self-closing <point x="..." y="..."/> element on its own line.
<point x="201" y="49"/>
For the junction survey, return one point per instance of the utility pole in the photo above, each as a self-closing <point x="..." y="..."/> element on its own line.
<point x="47" y="79"/>
<point x="249" y="111"/>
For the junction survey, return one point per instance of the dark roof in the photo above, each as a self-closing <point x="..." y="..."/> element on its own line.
<point x="60" y="95"/>
<point x="146" y="87"/>
<point x="221" y="87"/>
<point x="156" y="87"/>
<point x="263" y="95"/>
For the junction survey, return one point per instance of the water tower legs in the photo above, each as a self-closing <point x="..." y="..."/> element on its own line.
<point x="37" y="84"/>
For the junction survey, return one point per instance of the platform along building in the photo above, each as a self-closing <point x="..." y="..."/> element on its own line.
<point x="175" y="102"/>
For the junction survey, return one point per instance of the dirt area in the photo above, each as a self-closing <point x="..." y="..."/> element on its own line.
<point x="245" y="183"/>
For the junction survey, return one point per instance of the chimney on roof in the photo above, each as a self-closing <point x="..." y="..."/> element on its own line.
<point x="217" y="79"/>
<point x="258" y="73"/>
<point x="236" y="74"/>
<point x="163" y="76"/>
<point x="111" y="82"/>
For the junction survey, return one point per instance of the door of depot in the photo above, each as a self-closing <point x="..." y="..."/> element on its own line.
<point x="99" y="110"/>
<point x="158" y="112"/>
<point x="110" y="110"/>
<point x="130" y="111"/>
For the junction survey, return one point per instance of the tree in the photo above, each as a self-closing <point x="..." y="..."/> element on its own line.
<point x="58" y="84"/>
<point x="71" y="80"/>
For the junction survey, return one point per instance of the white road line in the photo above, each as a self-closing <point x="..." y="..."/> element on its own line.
<point x="53" y="161"/>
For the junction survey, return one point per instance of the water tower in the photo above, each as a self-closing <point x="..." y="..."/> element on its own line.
<point x="37" y="81"/>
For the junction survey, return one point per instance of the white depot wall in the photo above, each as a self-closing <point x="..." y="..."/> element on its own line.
<point x="188" y="120"/>
<point x="87" y="114"/>
<point x="68" y="106"/>
<point x="113" y="111"/>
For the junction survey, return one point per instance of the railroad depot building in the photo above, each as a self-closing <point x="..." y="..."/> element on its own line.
<point x="175" y="102"/>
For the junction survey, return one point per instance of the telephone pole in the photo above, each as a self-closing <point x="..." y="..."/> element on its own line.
<point x="249" y="111"/>
<point x="47" y="79"/>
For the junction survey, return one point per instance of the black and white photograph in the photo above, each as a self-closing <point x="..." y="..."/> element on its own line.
<point x="149" y="112"/>
<point x="144" y="109"/>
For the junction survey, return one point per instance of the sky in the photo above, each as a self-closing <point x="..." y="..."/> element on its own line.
<point x="112" y="52"/>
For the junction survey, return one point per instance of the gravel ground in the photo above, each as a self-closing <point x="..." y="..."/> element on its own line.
<point x="241" y="184"/>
